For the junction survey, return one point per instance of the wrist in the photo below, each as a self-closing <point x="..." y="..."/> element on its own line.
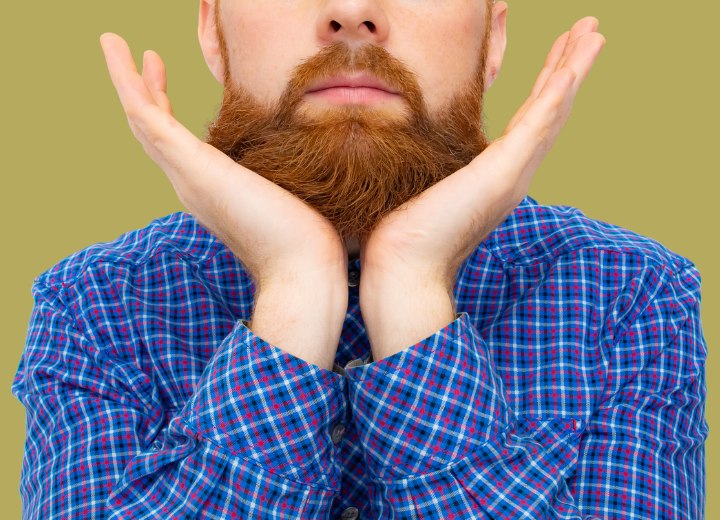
<point x="399" y="313"/>
<point x="328" y="268"/>
<point x="302" y="316"/>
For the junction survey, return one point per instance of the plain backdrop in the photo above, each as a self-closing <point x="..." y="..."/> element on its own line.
<point x="639" y="151"/>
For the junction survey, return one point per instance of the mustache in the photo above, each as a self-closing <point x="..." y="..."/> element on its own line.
<point x="352" y="163"/>
<point x="338" y="58"/>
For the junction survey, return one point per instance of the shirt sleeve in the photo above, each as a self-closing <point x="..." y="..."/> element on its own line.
<point x="440" y="440"/>
<point x="253" y="440"/>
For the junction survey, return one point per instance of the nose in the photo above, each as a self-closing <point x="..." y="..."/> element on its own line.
<point x="356" y="22"/>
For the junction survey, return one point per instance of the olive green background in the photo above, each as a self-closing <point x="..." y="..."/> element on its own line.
<point x="639" y="150"/>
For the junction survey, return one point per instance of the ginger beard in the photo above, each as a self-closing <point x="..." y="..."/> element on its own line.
<point x="352" y="163"/>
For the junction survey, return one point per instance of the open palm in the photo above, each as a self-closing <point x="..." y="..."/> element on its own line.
<point x="270" y="230"/>
<point x="429" y="236"/>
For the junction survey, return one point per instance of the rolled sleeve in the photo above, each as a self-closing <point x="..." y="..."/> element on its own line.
<point x="439" y="438"/>
<point x="428" y="405"/>
<point x="271" y="407"/>
<point x="253" y="439"/>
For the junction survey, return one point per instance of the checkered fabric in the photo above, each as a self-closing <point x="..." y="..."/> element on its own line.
<point x="571" y="385"/>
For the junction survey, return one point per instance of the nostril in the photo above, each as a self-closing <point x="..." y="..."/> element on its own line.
<point x="336" y="26"/>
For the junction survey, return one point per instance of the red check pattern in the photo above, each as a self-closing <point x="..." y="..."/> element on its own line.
<point x="571" y="385"/>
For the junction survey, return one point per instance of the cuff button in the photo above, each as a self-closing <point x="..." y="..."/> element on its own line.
<point x="337" y="433"/>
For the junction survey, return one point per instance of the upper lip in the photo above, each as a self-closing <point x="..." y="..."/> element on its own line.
<point x="353" y="81"/>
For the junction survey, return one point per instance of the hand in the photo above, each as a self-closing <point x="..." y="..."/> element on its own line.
<point x="421" y="245"/>
<point x="294" y="255"/>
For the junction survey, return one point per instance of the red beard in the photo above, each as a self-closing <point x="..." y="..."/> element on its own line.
<point x="353" y="164"/>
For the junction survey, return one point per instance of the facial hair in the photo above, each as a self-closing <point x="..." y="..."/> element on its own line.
<point x="354" y="164"/>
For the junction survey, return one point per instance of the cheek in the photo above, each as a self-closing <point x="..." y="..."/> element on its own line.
<point x="445" y="54"/>
<point x="262" y="52"/>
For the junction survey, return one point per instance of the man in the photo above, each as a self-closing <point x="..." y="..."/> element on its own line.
<point x="496" y="358"/>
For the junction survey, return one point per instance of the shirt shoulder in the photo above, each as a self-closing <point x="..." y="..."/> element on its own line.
<point x="177" y="235"/>
<point x="541" y="234"/>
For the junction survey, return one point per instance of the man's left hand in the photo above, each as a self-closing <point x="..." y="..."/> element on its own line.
<point x="411" y="258"/>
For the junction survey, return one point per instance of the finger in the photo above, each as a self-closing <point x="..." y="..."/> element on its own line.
<point x="584" y="51"/>
<point x="168" y="142"/>
<point x="584" y="56"/>
<point x="582" y="27"/>
<point x="545" y="111"/>
<point x="134" y="94"/>
<point x="156" y="79"/>
<point x="527" y="144"/>
<point x="154" y="72"/>
<point x="504" y="171"/>
<point x="118" y="52"/>
<point x="563" y="46"/>
<point x="554" y="56"/>
<point x="546" y="107"/>
<point x="551" y="62"/>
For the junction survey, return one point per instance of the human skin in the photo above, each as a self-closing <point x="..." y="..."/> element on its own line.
<point x="439" y="41"/>
<point x="295" y="256"/>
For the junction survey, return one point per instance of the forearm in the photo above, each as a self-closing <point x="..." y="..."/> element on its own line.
<point x="303" y="316"/>
<point x="400" y="312"/>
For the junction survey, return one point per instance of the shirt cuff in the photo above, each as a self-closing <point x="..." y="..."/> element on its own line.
<point x="270" y="407"/>
<point x="429" y="405"/>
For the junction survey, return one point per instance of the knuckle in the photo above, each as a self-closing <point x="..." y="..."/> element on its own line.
<point x="555" y="106"/>
<point x="155" y="140"/>
<point x="132" y="113"/>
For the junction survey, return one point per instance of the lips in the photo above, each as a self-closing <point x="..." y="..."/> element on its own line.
<point x="355" y="89"/>
<point x="360" y="81"/>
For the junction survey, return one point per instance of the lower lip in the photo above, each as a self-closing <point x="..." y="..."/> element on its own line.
<point x="353" y="95"/>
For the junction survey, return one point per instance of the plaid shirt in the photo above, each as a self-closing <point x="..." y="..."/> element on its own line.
<point x="571" y="385"/>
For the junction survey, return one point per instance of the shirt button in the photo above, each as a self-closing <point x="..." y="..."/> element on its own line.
<point x="351" y="513"/>
<point x="353" y="277"/>
<point x="337" y="433"/>
<point x="156" y="445"/>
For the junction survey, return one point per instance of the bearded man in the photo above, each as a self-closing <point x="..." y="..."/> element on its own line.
<point x="363" y="314"/>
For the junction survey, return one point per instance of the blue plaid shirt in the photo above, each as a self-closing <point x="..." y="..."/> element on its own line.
<point x="571" y="385"/>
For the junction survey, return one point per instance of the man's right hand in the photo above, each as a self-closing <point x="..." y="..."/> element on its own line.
<point x="294" y="255"/>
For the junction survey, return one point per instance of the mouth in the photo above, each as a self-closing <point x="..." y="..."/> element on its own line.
<point x="360" y="89"/>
